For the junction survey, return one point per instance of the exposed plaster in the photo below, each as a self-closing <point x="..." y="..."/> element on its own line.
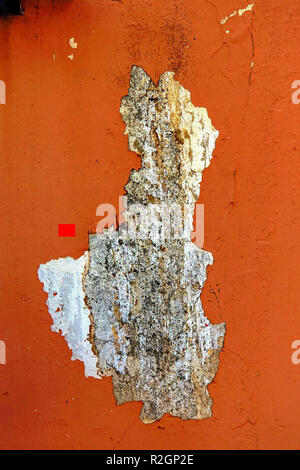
<point x="62" y="279"/>
<point x="136" y="298"/>
<point x="239" y="12"/>
<point x="72" y="43"/>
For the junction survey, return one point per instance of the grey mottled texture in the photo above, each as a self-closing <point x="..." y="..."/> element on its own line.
<point x="149" y="328"/>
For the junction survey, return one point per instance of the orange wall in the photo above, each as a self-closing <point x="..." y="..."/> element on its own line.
<point x="63" y="153"/>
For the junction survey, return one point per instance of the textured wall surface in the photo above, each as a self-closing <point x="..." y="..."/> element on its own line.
<point x="131" y="307"/>
<point x="63" y="154"/>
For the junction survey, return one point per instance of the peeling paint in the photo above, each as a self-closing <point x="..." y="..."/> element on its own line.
<point x="72" y="43"/>
<point x="62" y="279"/>
<point x="239" y="12"/>
<point x="132" y="309"/>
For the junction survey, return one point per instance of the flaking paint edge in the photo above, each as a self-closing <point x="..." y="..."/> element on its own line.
<point x="62" y="279"/>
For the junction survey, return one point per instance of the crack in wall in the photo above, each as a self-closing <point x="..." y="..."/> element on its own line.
<point x="132" y="308"/>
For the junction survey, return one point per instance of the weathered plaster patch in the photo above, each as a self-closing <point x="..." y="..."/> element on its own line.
<point x="62" y="279"/>
<point x="239" y="12"/>
<point x="142" y="284"/>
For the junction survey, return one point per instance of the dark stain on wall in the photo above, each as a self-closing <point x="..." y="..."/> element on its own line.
<point x="10" y="7"/>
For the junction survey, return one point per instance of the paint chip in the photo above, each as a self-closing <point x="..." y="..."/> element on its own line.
<point x="72" y="43"/>
<point x="62" y="279"/>
<point x="239" y="12"/>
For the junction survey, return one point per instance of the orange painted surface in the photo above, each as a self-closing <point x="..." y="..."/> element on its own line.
<point x="63" y="153"/>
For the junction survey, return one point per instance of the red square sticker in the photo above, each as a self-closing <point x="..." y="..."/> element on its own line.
<point x="66" y="230"/>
